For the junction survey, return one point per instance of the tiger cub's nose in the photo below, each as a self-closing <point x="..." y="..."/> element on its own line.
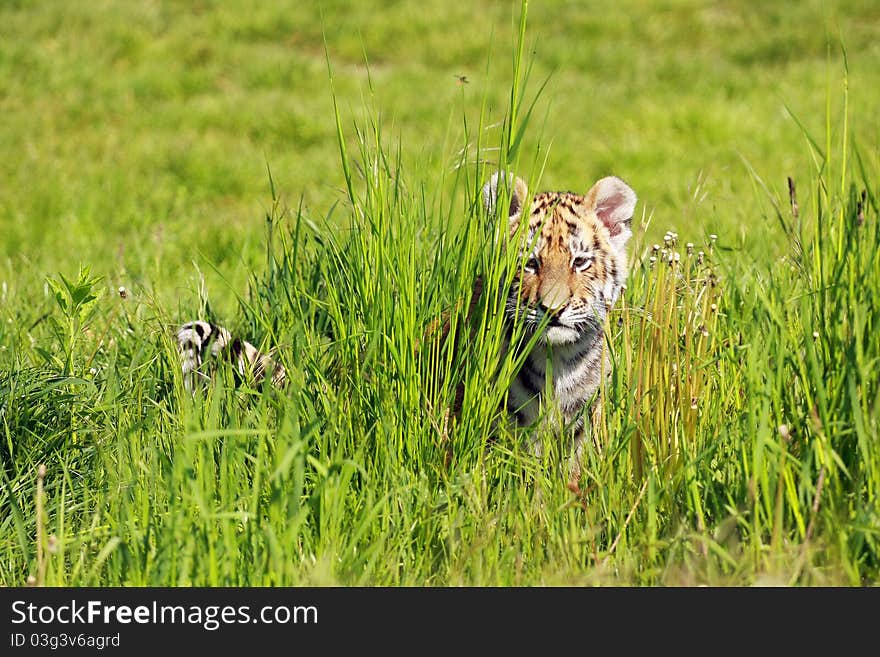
<point x="554" y="298"/>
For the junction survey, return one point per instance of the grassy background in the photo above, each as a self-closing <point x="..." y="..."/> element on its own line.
<point x="136" y="135"/>
<point x="135" y="139"/>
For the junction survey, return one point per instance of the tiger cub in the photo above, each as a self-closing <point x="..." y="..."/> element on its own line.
<point x="198" y="342"/>
<point x="573" y="267"/>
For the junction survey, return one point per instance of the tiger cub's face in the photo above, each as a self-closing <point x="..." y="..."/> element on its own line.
<point x="573" y="255"/>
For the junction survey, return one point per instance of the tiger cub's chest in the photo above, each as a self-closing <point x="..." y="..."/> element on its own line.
<point x="562" y="379"/>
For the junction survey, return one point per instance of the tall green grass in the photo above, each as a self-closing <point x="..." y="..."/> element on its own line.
<point x="738" y="442"/>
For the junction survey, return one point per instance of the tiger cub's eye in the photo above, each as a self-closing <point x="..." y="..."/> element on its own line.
<point x="581" y="262"/>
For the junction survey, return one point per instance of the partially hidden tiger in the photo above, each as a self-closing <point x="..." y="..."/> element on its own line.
<point x="574" y="265"/>
<point x="201" y="345"/>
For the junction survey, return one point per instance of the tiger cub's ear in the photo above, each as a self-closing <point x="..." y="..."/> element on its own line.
<point x="614" y="202"/>
<point x="518" y="195"/>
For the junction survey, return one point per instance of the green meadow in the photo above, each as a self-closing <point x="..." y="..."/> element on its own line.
<point x="309" y="175"/>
